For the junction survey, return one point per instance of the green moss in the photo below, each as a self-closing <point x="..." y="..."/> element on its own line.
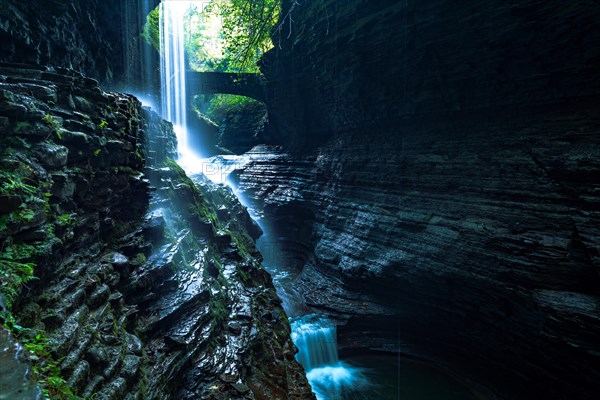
<point x="139" y="259"/>
<point x="22" y="127"/>
<point x="218" y="311"/>
<point x="9" y="145"/>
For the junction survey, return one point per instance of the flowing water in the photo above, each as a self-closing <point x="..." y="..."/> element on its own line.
<point x="172" y="76"/>
<point x="330" y="378"/>
<point x="314" y="335"/>
<point x="14" y="370"/>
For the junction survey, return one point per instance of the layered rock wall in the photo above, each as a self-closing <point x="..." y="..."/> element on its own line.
<point x="101" y="39"/>
<point x="438" y="182"/>
<point x="147" y="285"/>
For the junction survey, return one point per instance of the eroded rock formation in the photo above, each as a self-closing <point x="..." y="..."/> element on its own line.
<point x="147" y="284"/>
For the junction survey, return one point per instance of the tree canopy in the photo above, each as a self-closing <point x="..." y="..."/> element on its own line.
<point x="246" y="29"/>
<point x="225" y="35"/>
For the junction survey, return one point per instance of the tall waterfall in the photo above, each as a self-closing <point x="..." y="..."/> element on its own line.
<point x="172" y="76"/>
<point x="330" y="378"/>
<point x="172" y="62"/>
<point x="315" y="336"/>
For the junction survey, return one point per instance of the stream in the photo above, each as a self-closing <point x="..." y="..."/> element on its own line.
<point x="314" y="335"/>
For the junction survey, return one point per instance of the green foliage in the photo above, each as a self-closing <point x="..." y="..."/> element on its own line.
<point x="46" y="369"/>
<point x="50" y="121"/>
<point x="246" y="29"/>
<point x="15" y="270"/>
<point x="64" y="220"/>
<point x="221" y="105"/>
<point x="151" y="29"/>
<point x="226" y="35"/>
<point x="103" y="124"/>
<point x="53" y="123"/>
<point x="17" y="260"/>
<point x="28" y="204"/>
<point x="231" y="35"/>
<point x="13" y="185"/>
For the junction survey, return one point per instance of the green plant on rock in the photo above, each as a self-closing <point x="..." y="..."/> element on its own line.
<point x="53" y="123"/>
<point x="139" y="259"/>
<point x="64" y="220"/>
<point x="16" y="269"/>
<point x="22" y="196"/>
<point x="13" y="185"/>
<point x="103" y="124"/>
<point x="46" y="369"/>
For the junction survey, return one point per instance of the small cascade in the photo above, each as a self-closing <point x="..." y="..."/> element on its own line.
<point x="330" y="378"/>
<point x="316" y="340"/>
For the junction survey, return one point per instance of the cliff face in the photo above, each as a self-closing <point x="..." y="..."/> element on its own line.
<point x="101" y="39"/>
<point x="438" y="187"/>
<point x="147" y="285"/>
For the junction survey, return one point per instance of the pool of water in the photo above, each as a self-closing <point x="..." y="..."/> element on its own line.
<point x="392" y="379"/>
<point x="372" y="377"/>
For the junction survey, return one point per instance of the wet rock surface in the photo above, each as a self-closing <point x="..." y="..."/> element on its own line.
<point x="137" y="290"/>
<point x="437" y="189"/>
<point x="100" y="39"/>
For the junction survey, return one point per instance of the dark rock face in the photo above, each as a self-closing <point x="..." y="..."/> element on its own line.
<point x="98" y="38"/>
<point x="438" y="187"/>
<point x="148" y="285"/>
<point x="353" y="65"/>
<point x="243" y="129"/>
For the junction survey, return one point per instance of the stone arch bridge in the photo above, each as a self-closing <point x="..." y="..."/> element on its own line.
<point x="243" y="84"/>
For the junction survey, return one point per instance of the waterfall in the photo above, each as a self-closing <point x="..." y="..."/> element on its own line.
<point x="172" y="76"/>
<point x="316" y="340"/>
<point x="330" y="378"/>
<point x="315" y="336"/>
<point x="172" y="63"/>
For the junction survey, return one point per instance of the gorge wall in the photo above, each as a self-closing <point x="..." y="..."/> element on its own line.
<point x="100" y="39"/>
<point x="438" y="182"/>
<point x="147" y="284"/>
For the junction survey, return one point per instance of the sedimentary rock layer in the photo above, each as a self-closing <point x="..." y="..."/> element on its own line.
<point x="438" y="183"/>
<point x="147" y="284"/>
